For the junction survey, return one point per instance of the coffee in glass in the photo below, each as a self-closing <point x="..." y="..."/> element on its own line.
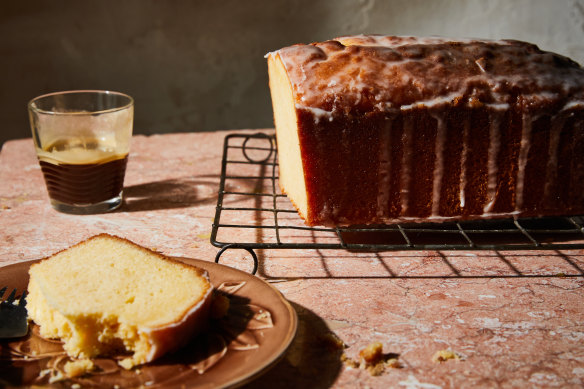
<point x="82" y="139"/>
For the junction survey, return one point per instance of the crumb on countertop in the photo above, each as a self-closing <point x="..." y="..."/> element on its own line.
<point x="445" y="355"/>
<point x="372" y="359"/>
<point x="372" y="354"/>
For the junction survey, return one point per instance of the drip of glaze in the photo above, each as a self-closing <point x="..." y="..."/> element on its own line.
<point x="405" y="179"/>
<point x="439" y="163"/>
<point x="557" y="124"/>
<point x="384" y="170"/>
<point x="463" y="159"/>
<point x="492" y="156"/>
<point x="524" y="146"/>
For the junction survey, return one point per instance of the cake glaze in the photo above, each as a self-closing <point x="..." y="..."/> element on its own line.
<point x="424" y="129"/>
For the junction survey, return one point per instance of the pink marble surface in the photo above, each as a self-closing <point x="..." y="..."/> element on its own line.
<point x="516" y="318"/>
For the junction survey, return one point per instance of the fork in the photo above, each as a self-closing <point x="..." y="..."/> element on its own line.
<point x="13" y="317"/>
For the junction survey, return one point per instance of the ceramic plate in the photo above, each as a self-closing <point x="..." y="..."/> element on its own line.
<point x="254" y="334"/>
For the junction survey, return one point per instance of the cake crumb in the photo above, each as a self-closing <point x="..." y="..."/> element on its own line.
<point x="376" y="370"/>
<point x="128" y="364"/>
<point x="372" y="354"/>
<point x="78" y="368"/>
<point x="349" y="362"/>
<point x="372" y="359"/>
<point x="445" y="355"/>
<point x="393" y="363"/>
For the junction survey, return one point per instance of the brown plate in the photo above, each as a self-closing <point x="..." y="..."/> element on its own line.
<point x="252" y="337"/>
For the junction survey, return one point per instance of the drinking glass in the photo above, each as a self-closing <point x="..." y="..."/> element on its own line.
<point x="82" y="139"/>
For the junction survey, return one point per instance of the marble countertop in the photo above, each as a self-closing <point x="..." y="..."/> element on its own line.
<point x="515" y="318"/>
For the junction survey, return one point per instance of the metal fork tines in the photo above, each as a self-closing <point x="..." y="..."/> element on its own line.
<point x="13" y="315"/>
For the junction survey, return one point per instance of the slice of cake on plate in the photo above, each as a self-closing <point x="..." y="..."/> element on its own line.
<point x="107" y="295"/>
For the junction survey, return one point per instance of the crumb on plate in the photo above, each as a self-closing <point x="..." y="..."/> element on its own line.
<point x="78" y="367"/>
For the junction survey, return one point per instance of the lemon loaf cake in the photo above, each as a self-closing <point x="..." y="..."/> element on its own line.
<point x="383" y="129"/>
<point x="107" y="295"/>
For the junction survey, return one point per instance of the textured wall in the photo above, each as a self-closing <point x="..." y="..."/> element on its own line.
<point x="198" y="65"/>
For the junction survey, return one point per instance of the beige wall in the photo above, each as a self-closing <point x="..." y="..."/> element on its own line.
<point x="199" y="66"/>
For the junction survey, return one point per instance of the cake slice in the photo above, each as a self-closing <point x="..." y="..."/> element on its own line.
<point x="107" y="295"/>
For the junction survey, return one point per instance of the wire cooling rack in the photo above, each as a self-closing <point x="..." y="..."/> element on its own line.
<point x="252" y="214"/>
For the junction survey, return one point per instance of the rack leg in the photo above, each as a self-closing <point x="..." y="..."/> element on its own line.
<point x="259" y="135"/>
<point x="235" y="246"/>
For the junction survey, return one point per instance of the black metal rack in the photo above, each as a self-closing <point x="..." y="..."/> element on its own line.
<point x="262" y="218"/>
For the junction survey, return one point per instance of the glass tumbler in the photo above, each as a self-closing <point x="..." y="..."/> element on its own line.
<point x="82" y="139"/>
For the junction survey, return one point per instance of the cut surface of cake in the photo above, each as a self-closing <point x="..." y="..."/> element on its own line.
<point x="107" y="295"/>
<point x="382" y="129"/>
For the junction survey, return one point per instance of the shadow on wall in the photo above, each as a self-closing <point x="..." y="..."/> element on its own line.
<point x="199" y="66"/>
<point x="191" y="66"/>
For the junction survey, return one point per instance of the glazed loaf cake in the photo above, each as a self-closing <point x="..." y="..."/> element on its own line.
<point x="107" y="295"/>
<point x="382" y="129"/>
